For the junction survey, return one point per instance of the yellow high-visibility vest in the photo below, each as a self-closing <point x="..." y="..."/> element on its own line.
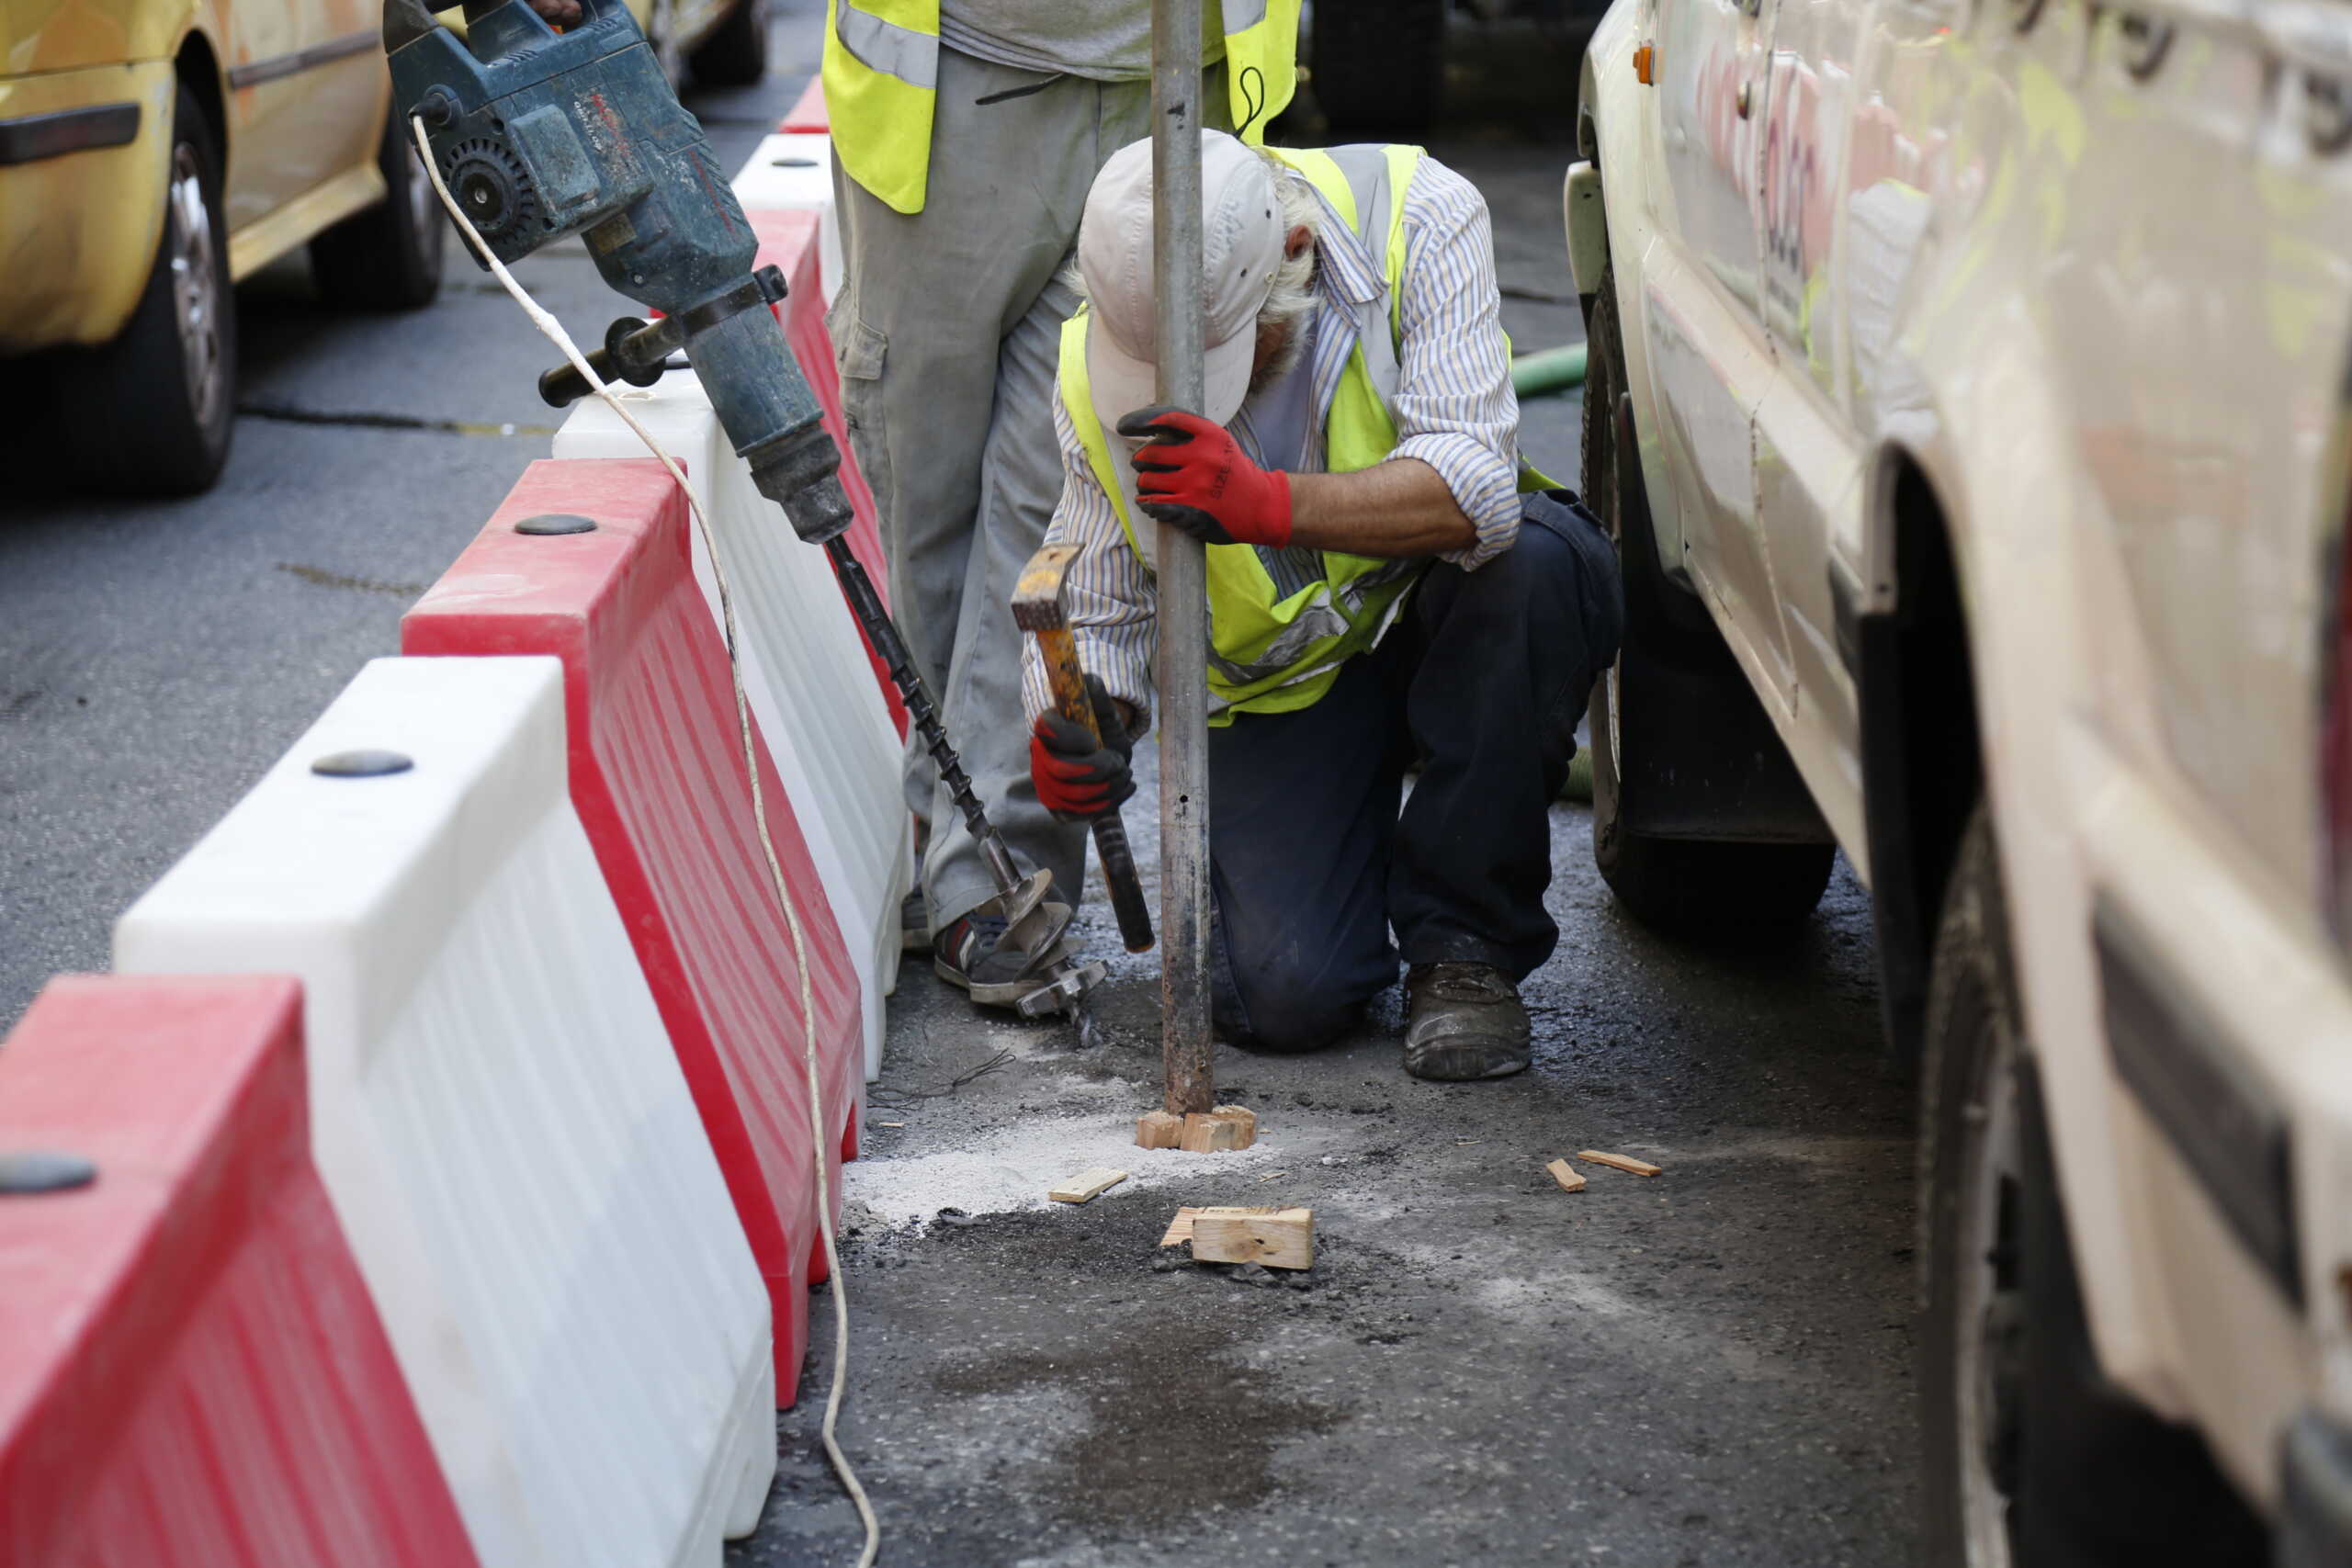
<point x="1274" y="654"/>
<point x="1269" y="654"/>
<point x="881" y="74"/>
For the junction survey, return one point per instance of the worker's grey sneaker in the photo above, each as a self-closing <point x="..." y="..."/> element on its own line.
<point x="914" y="922"/>
<point x="968" y="954"/>
<point x="1462" y="1020"/>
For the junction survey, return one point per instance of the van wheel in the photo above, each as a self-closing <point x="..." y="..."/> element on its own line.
<point x="388" y="257"/>
<point x="151" y="412"/>
<point x="1694" y="886"/>
<point x="736" y="52"/>
<point x="2032" y="1459"/>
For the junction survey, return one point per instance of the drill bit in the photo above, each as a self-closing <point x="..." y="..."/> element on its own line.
<point x="1029" y="918"/>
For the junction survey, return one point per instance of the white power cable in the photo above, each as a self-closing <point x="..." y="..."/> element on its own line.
<point x="556" y="335"/>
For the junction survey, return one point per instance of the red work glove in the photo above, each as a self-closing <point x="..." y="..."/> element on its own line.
<point x="1077" y="777"/>
<point x="1193" y="474"/>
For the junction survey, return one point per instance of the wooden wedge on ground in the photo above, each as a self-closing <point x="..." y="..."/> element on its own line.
<point x="1179" y="1229"/>
<point x="1619" y="1162"/>
<point x="1087" y="1184"/>
<point x="1284" y="1239"/>
<point x="1160" y="1130"/>
<point x="1570" y="1178"/>
<point x="1216" y="1132"/>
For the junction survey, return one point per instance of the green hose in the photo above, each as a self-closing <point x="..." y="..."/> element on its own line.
<point x="1549" y="371"/>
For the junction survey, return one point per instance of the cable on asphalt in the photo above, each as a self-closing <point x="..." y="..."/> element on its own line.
<point x="894" y="1098"/>
<point x="554" y="331"/>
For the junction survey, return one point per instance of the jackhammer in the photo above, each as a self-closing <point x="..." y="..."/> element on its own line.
<point x="539" y="135"/>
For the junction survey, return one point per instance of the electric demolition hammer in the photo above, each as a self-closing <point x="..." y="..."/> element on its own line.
<point x="540" y="135"/>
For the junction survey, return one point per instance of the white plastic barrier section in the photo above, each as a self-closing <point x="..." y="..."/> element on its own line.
<point x="791" y="173"/>
<point x="804" y="670"/>
<point x="500" y="1121"/>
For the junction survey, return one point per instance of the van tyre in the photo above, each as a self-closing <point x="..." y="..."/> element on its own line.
<point x="151" y="412"/>
<point x="736" y="52"/>
<point x="388" y="257"/>
<point x="1685" y="887"/>
<point x="2032" y="1459"/>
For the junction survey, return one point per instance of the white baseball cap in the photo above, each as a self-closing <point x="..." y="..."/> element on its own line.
<point x="1241" y="246"/>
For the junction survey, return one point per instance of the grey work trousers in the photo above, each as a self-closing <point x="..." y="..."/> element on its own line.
<point x="947" y="330"/>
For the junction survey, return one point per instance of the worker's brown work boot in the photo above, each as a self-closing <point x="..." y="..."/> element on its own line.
<point x="1462" y="1020"/>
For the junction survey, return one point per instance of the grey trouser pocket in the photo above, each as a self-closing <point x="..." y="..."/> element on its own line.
<point x="860" y="351"/>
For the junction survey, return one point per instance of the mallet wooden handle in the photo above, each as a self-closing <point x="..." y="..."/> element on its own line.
<point x="1068" y="680"/>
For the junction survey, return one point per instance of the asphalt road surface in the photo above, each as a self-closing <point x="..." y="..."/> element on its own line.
<point x="1708" y="1366"/>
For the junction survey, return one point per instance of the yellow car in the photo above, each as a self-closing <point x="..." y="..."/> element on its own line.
<point x="153" y="153"/>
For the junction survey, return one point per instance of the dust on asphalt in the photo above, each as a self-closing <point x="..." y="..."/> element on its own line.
<point x="1706" y="1366"/>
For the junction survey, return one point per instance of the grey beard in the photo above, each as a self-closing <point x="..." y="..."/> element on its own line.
<point x="1285" y="360"/>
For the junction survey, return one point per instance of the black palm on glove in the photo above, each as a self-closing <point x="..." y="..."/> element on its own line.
<point x="1079" y="777"/>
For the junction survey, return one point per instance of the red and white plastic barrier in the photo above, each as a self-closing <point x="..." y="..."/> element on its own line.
<point x="808" y="113"/>
<point x="794" y="173"/>
<point x="787" y="241"/>
<point x="497" y="1114"/>
<point x="191" y="1373"/>
<point x="436" y="1100"/>
<point x="658" y="778"/>
<point x="806" y="669"/>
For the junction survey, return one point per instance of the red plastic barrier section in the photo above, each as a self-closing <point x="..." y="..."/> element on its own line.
<point x="809" y="113"/>
<point x="191" y="1373"/>
<point x="788" y="241"/>
<point x="658" y="778"/>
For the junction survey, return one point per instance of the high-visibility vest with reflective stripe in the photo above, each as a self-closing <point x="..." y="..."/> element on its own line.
<point x="1270" y="653"/>
<point x="881" y="73"/>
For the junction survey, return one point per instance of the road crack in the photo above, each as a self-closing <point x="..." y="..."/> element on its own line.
<point x="286" y="413"/>
<point x="319" y="577"/>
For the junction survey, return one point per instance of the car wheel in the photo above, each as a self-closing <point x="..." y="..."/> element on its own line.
<point x="2034" y="1459"/>
<point x="151" y="412"/>
<point x="1687" y="885"/>
<point x="388" y="257"/>
<point x="1378" y="65"/>
<point x="736" y="52"/>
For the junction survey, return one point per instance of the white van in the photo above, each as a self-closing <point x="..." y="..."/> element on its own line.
<point x="1968" y="396"/>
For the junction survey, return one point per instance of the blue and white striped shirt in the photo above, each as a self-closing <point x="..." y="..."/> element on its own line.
<point x="1454" y="410"/>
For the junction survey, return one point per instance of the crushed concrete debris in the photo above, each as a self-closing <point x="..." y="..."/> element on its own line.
<point x="1005" y="1167"/>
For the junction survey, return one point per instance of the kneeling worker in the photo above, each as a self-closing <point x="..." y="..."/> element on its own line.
<point x="1386" y="582"/>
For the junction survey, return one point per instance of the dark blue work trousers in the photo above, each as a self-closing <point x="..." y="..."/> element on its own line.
<point x="1485" y="678"/>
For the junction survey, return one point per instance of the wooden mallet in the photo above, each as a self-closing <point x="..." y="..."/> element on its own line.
<point x="1037" y="609"/>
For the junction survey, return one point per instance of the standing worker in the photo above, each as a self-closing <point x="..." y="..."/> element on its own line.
<point x="965" y="134"/>
<point x="1386" y="582"/>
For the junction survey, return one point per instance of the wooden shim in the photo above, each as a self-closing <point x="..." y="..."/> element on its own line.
<point x="1243" y="1114"/>
<point x="1160" y="1130"/>
<point x="1087" y="1184"/>
<point x="1570" y="1178"/>
<point x="1179" y="1229"/>
<point x="1210" y="1132"/>
<point x="1284" y="1239"/>
<point x="1619" y="1162"/>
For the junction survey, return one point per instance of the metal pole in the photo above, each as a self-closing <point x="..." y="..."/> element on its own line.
<point x="1184" y="1039"/>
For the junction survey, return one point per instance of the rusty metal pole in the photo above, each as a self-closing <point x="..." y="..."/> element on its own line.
<point x="1184" y="1039"/>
